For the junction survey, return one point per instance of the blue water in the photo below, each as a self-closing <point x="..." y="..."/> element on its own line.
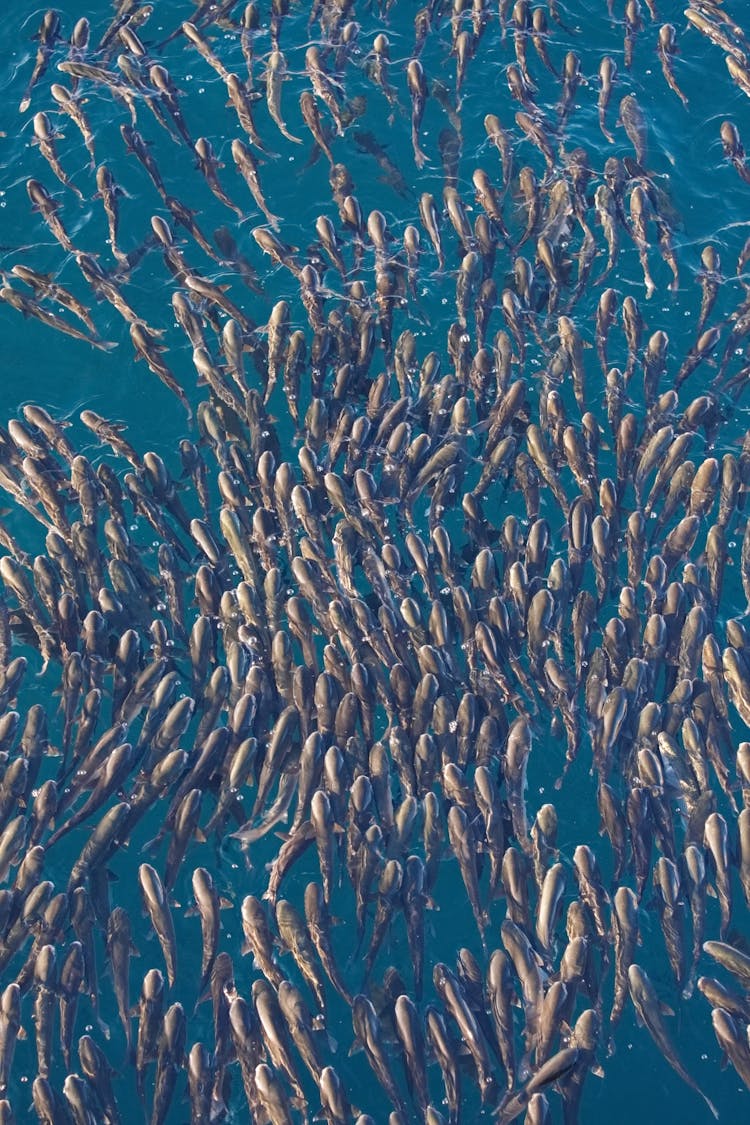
<point x="65" y="376"/>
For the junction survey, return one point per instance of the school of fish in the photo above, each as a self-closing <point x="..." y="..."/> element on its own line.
<point x="290" y="682"/>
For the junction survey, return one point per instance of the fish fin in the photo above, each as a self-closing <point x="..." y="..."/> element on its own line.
<point x="203" y="997"/>
<point x="665" y="1009"/>
<point x="598" y="1070"/>
<point x="355" y="1048"/>
<point x="734" y="937"/>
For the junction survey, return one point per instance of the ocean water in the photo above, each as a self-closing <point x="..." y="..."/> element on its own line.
<point x="709" y="202"/>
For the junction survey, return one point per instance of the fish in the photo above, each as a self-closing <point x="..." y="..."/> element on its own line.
<point x="30" y="307"/>
<point x="171" y="1050"/>
<point x="667" y="49"/>
<point x="626" y="930"/>
<point x="729" y="1039"/>
<point x="554" y="1070"/>
<point x="647" y="1008"/>
<point x="48" y="35"/>
<point x="97" y="1070"/>
<point x="150" y="1014"/>
<point x="450" y="992"/>
<point x="417" y="84"/>
<point x="367" y="1030"/>
<point x="70" y="105"/>
<point x="208" y="905"/>
<point x="275" y="1037"/>
<point x="734" y="149"/>
<point x="119" y="948"/>
<point x="167" y="93"/>
<point x="311" y="116"/>
<point x="632" y="120"/>
<point x="193" y="35"/>
<point x="272" y="1096"/>
<point x="100" y="844"/>
<point x="536" y="133"/>
<point x="319" y="927"/>
<point x="324" y="87"/>
<point x="149" y="349"/>
<point x="633" y="24"/>
<point x="463" y="845"/>
<point x="392" y="174"/>
<point x="43" y="202"/>
<point x="209" y="165"/>
<point x="44" y="137"/>
<point x="108" y="191"/>
<point x="10" y="1026"/>
<point x="638" y="216"/>
<point x="275" y="74"/>
<point x="99" y="75"/>
<point x="294" y="936"/>
<point x="248" y="169"/>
